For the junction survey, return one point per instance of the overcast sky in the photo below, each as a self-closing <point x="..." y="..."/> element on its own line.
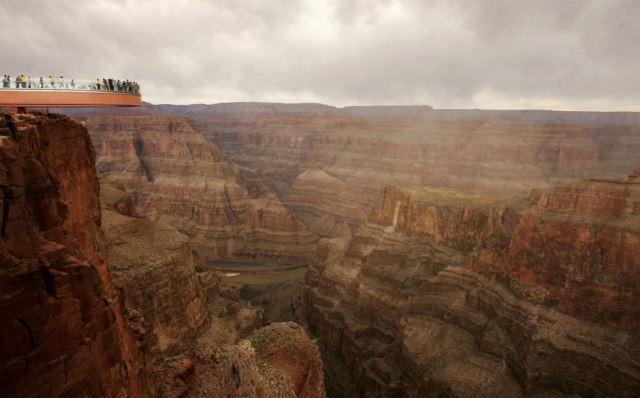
<point x="492" y="54"/>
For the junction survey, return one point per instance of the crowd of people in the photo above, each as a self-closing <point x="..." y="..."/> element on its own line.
<point x="23" y="82"/>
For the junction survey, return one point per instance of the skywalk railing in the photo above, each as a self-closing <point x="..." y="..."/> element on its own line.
<point x="70" y="85"/>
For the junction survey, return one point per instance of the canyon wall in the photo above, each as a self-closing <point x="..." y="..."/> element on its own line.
<point x="178" y="177"/>
<point x="504" y="153"/>
<point x="79" y="316"/>
<point x="447" y="293"/>
<point x="61" y="334"/>
<point x="491" y="157"/>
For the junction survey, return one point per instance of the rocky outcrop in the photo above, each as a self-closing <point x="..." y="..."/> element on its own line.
<point x="445" y="293"/>
<point x="289" y="362"/>
<point x="161" y="284"/>
<point x="62" y="329"/>
<point x="114" y="197"/>
<point x="154" y="270"/>
<point x="276" y="361"/>
<point x="219" y="371"/>
<point x="178" y="177"/>
<point x="585" y="237"/>
<point x="326" y="205"/>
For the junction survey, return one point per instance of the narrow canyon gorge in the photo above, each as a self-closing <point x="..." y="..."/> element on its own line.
<point x="304" y="250"/>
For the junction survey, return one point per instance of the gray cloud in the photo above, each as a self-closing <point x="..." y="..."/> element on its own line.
<point x="569" y="54"/>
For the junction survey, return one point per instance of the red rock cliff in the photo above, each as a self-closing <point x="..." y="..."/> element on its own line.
<point x="60" y="336"/>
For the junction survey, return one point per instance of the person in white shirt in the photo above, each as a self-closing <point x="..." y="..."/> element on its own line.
<point x="61" y="82"/>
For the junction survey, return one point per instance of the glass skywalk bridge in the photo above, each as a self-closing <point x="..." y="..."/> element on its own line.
<point x="69" y="93"/>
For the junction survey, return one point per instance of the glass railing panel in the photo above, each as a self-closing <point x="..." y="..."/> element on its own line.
<point x="71" y="85"/>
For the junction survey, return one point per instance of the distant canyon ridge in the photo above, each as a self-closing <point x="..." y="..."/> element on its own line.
<point x="324" y="166"/>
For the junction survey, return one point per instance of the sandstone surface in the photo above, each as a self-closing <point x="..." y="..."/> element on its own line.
<point x="178" y="177"/>
<point x="447" y="293"/>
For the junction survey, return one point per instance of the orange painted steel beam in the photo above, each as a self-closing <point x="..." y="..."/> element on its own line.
<point x="67" y="99"/>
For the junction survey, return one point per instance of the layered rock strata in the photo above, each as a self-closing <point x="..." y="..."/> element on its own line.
<point x="178" y="177"/>
<point x="491" y="157"/>
<point x="501" y="152"/>
<point x="62" y="326"/>
<point x="326" y="205"/>
<point x="446" y="293"/>
<point x="494" y="152"/>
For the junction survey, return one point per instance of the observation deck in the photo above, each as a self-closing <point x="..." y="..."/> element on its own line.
<point x="70" y="93"/>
